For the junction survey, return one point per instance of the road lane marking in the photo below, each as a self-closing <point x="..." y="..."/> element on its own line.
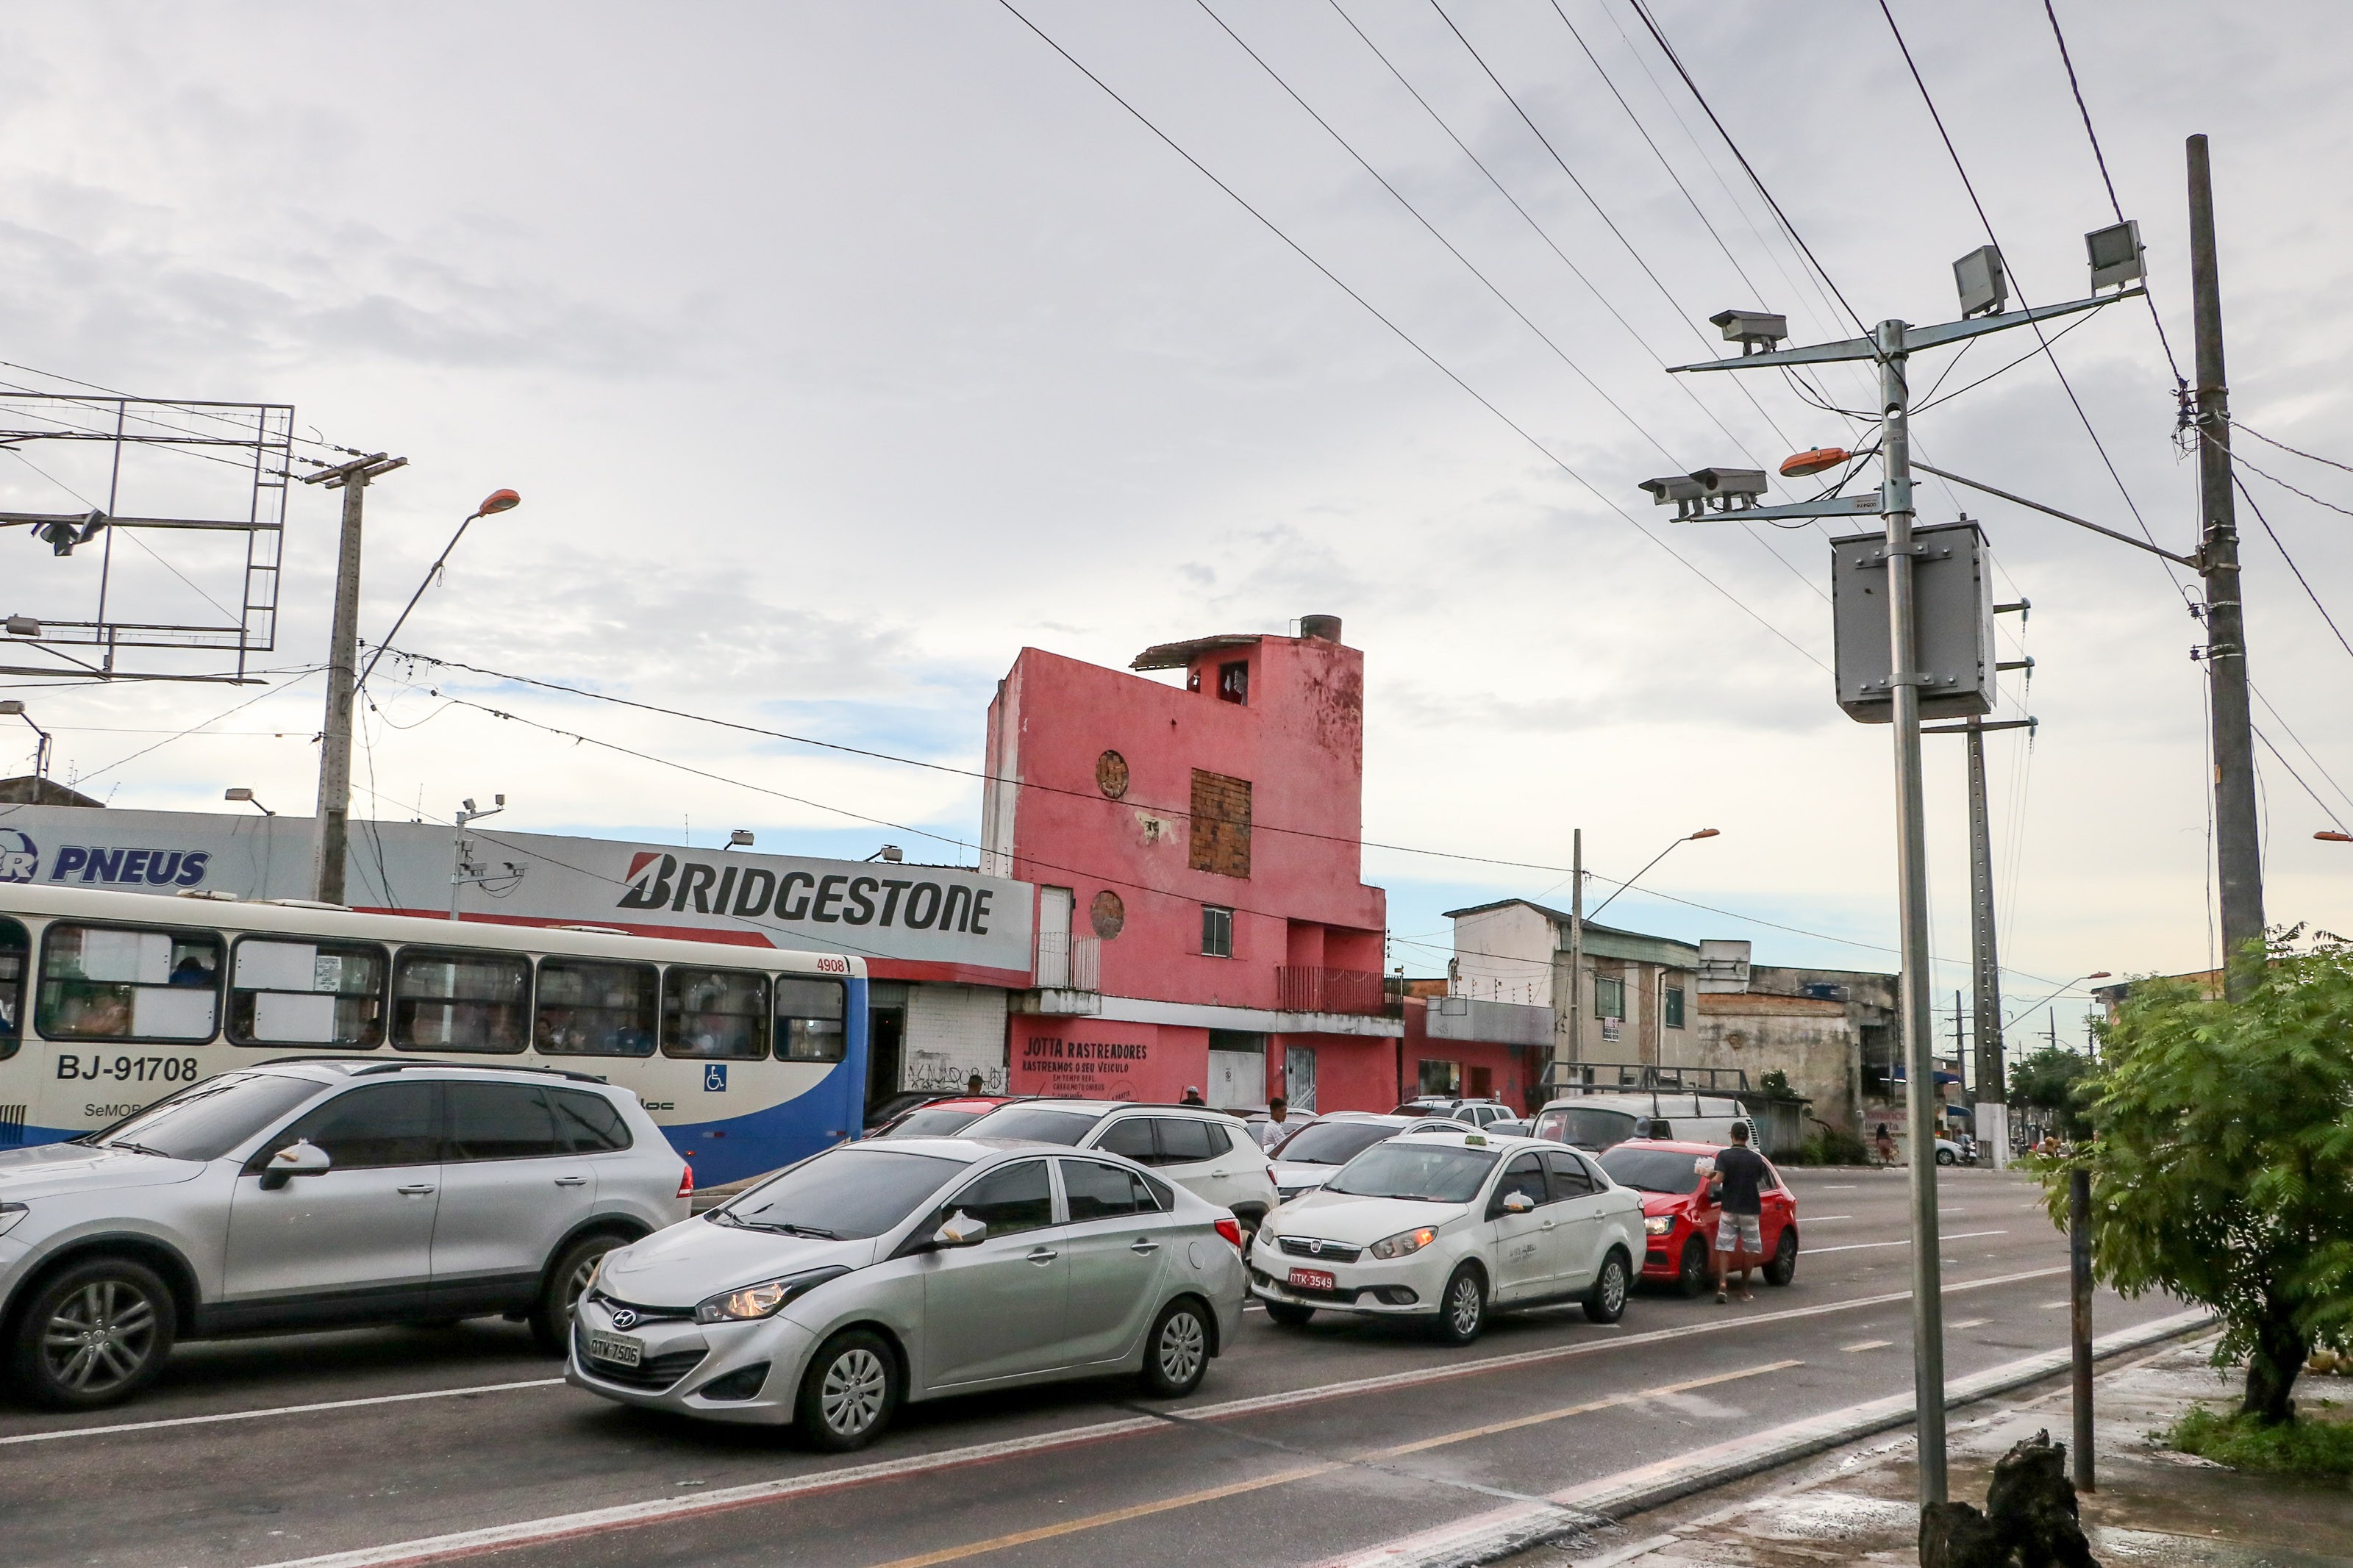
<point x="279" y="1410"/>
<point x="1822" y="1219"/>
<point x="1970" y="1323"/>
<point x="1861" y="1345"/>
<point x="1867" y="1246"/>
<point x="1305" y="1472"/>
<point x="488" y="1539"/>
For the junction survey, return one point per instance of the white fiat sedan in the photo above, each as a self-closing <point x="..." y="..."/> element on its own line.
<point x="1447" y="1227"/>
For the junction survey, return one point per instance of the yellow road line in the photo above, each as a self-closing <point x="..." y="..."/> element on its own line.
<point x="1308" y="1472"/>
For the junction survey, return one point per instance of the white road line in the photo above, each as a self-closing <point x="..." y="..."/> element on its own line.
<point x="1861" y="1345"/>
<point x="279" y="1410"/>
<point x="1822" y="1218"/>
<point x="595" y="1521"/>
<point x="1970" y="1323"/>
<point x="1867" y="1246"/>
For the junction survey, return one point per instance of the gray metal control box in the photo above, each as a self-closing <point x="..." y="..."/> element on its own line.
<point x="1954" y="592"/>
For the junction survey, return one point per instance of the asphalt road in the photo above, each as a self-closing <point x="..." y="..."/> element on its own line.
<point x="369" y="1442"/>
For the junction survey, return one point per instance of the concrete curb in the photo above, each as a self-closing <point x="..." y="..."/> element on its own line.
<point x="1490" y="1537"/>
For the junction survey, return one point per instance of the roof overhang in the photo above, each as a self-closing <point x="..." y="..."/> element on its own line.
<point x="1178" y="654"/>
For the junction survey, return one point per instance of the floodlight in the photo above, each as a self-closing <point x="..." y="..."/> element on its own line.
<point x="2116" y="255"/>
<point x="1984" y="285"/>
<point x="889" y="852"/>
<point x="10" y="707"/>
<point x="1731" y="484"/>
<point x="1673" y="488"/>
<point x="467" y="803"/>
<point x="740" y="839"/>
<point x="62" y="535"/>
<point x="244" y="795"/>
<point x="23" y="626"/>
<point x="1755" y="331"/>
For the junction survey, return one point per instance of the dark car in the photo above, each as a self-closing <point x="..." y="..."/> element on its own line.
<point x="943" y="1116"/>
<point x="1679" y="1220"/>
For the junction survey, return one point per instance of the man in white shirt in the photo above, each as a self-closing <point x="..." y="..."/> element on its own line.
<point x="1274" y="1128"/>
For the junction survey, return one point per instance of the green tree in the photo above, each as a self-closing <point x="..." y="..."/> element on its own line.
<point x="2053" y="1080"/>
<point x="2222" y="1167"/>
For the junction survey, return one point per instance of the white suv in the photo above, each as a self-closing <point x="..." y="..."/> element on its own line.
<point x="311" y="1193"/>
<point x="1205" y="1152"/>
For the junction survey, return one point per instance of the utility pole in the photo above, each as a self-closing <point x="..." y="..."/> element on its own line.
<point x="343" y="666"/>
<point x="1991" y="1106"/>
<point x="2238" y="844"/>
<point x="1575" y="955"/>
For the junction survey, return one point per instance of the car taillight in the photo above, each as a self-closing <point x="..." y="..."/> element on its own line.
<point x="1231" y="1229"/>
<point x="686" y="1181"/>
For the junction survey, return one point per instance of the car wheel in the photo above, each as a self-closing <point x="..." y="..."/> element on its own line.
<point x="1947" y="1157"/>
<point x="1289" y="1314"/>
<point x="1784" y="1266"/>
<point x="1177" y="1351"/>
<point x="1461" y="1307"/>
<point x="565" y="1282"/>
<point x="850" y="1392"/>
<point x="93" y="1335"/>
<point x="1691" y="1276"/>
<point x="1606" y="1303"/>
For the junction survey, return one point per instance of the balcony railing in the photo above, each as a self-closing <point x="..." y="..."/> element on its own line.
<point x="1312" y="988"/>
<point x="1067" y="963"/>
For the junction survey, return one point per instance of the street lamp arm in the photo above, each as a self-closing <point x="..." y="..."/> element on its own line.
<point x="1915" y="338"/>
<point x="2190" y="561"/>
<point x="386" y="640"/>
<point x="1645" y="871"/>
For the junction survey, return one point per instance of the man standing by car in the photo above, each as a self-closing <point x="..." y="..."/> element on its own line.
<point x="1739" y="1225"/>
<point x="1274" y="1128"/>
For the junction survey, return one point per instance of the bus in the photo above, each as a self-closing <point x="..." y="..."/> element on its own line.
<point x="748" y="1058"/>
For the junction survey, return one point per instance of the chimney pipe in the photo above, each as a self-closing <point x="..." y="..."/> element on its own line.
<point x="1324" y="626"/>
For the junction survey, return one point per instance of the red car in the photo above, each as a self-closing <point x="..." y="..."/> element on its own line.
<point x="1681" y="1221"/>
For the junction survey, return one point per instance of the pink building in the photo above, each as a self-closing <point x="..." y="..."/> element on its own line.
<point x="1196" y="851"/>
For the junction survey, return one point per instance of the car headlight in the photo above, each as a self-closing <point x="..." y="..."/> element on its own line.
<point x="1659" y="1223"/>
<point x="1404" y="1243"/>
<point x="765" y="1299"/>
<point x="9" y="1214"/>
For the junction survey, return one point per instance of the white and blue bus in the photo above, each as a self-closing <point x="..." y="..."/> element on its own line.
<point x="748" y="1056"/>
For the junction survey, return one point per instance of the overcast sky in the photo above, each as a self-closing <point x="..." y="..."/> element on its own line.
<point x="840" y="351"/>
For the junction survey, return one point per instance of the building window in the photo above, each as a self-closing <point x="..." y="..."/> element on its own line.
<point x="1442" y="1077"/>
<point x="1672" y="1006"/>
<point x="1609" y="998"/>
<point x="1233" y="682"/>
<point x="1217" y="931"/>
<point x="1221" y="825"/>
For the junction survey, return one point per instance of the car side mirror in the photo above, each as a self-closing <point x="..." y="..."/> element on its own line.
<point x="1518" y="1203"/>
<point x="961" y="1230"/>
<point x="300" y="1158"/>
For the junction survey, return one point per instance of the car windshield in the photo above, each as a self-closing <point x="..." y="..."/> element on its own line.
<point x="1423" y="1170"/>
<point x="846" y="1193"/>
<point x="1586" y="1127"/>
<point x="933" y="1123"/>
<point x="208" y="1120"/>
<point x="1332" y="1142"/>
<point x="1652" y="1170"/>
<point x="1035" y="1123"/>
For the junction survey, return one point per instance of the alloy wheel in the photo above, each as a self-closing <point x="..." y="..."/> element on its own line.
<point x="1613" y="1287"/>
<point x="577" y="1285"/>
<point x="855" y="1385"/>
<point x="1182" y="1346"/>
<point x="99" y="1338"/>
<point x="1462" y="1306"/>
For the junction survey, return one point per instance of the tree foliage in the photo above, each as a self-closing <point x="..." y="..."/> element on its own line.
<point x="2053" y="1080"/>
<point x="2222" y="1163"/>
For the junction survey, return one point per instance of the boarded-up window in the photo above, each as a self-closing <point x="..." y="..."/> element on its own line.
<point x="1221" y="825"/>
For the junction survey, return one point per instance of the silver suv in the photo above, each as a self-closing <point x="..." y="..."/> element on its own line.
<point x="311" y="1193"/>
<point x="1205" y="1152"/>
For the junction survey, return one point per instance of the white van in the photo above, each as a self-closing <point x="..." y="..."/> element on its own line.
<point x="1597" y="1122"/>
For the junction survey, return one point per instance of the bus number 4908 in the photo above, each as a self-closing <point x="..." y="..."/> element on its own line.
<point x="128" y="1070"/>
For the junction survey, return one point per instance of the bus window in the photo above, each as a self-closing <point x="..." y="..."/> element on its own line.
<point x="809" y="1016"/>
<point x="720" y="1013"/>
<point x="103" y="983"/>
<point x="591" y="1009"/>
<point x="288" y="992"/>
<point x="444" y="1001"/>
<point x="15" y="958"/>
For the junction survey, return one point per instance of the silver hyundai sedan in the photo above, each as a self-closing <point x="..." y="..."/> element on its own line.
<point x="881" y="1272"/>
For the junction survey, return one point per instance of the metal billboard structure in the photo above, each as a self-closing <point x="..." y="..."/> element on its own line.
<point x="181" y="501"/>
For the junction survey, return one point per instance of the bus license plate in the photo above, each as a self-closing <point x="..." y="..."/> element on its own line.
<point x="617" y="1349"/>
<point x="1313" y="1280"/>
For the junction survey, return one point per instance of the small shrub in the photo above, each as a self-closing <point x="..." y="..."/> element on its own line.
<point x="1831" y="1146"/>
<point x="2306" y="1446"/>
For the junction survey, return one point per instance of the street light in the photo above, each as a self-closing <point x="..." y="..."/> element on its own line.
<point x="495" y="503"/>
<point x="2330" y="835"/>
<point x="1686" y="838"/>
<point x="740" y="839"/>
<point x="12" y="708"/>
<point x="242" y="794"/>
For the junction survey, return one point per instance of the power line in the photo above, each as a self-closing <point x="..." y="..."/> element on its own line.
<point x="2326" y="809"/>
<point x="2313" y="456"/>
<point x="2238" y="462"/>
<point x="1408" y="339"/>
<point x="2240" y="486"/>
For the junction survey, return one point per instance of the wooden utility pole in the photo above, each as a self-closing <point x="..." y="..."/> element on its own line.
<point x="343" y="666"/>
<point x="2238" y="844"/>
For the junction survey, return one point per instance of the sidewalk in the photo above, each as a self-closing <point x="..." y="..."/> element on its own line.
<point x="2153" y="1505"/>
